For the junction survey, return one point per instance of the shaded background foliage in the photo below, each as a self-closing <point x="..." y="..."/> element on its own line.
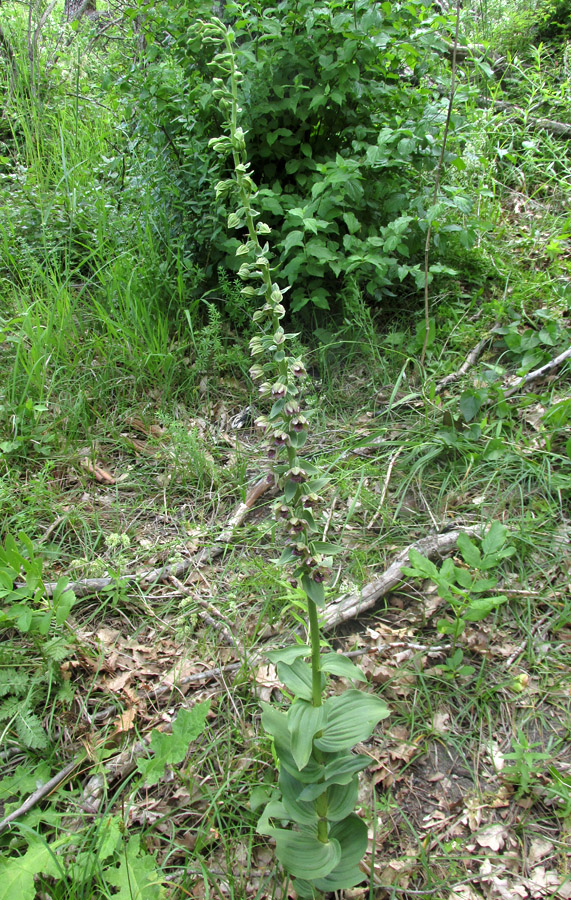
<point x="343" y="105"/>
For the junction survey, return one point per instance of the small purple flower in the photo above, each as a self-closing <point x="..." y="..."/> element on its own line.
<point x="299" y="550"/>
<point x="291" y="408"/>
<point x="256" y="372"/>
<point x="298" y="369"/>
<point x="297" y="526"/>
<point x="310" y="501"/>
<point x="280" y="438"/>
<point x="282" y="511"/>
<point x="279" y="390"/>
<point x="296" y="475"/>
<point x="299" y="424"/>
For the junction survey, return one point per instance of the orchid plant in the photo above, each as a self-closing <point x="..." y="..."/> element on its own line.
<point x="311" y="815"/>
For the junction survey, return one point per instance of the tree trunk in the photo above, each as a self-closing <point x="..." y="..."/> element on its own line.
<point x="74" y="9"/>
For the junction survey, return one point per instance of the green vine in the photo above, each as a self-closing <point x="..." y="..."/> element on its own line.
<point x="319" y="838"/>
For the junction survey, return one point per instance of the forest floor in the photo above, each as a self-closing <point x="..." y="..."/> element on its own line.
<point x="133" y="760"/>
<point x="468" y="791"/>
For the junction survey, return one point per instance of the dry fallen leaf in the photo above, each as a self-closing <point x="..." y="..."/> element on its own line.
<point x="267" y="681"/>
<point x="464" y="892"/>
<point x="540" y="847"/>
<point x="440" y="721"/>
<point x="492" y="836"/>
<point x="125" y="721"/>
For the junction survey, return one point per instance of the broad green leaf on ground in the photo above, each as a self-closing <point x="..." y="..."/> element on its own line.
<point x="17" y="874"/>
<point x="135" y="876"/>
<point x="171" y="749"/>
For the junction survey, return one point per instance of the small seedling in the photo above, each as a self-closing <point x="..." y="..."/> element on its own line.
<point x="525" y="771"/>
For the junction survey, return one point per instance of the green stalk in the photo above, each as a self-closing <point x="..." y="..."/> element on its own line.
<point x="321" y="804"/>
<point x="315" y="653"/>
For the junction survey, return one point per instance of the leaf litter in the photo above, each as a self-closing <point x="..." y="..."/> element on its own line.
<point x="430" y="784"/>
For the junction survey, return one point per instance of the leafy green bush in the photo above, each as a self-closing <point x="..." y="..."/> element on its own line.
<point x="341" y="129"/>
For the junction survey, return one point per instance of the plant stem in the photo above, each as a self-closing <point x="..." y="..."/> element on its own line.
<point x="315" y="652"/>
<point x="437" y="185"/>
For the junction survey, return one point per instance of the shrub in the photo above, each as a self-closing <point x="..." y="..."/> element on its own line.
<point x="341" y="129"/>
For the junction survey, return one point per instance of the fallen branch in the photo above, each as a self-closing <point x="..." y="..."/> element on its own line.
<point x="348" y="606"/>
<point x="558" y="129"/>
<point x="386" y="483"/>
<point x="42" y="792"/>
<point x="539" y="373"/>
<point x="470" y="361"/>
<point x="88" y="586"/>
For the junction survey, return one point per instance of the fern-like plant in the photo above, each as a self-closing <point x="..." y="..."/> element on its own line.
<point x="319" y="838"/>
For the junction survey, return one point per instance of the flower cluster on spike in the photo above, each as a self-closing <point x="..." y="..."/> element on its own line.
<point x="279" y="374"/>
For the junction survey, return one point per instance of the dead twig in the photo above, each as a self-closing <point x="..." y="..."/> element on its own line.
<point x="386" y="482"/>
<point x="88" y="586"/>
<point x="452" y="377"/>
<point x="470" y="361"/>
<point x="42" y="792"/>
<point x="557" y="129"/>
<point x="539" y="373"/>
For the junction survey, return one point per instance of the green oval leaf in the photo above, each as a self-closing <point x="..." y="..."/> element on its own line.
<point x="304" y="856"/>
<point x="342" y="799"/>
<point x="336" y="664"/>
<point x="299" y="811"/>
<point x="304" y="721"/>
<point x="351" y="834"/>
<point x="351" y="718"/>
<point x="297" y="677"/>
<point x="289" y="654"/>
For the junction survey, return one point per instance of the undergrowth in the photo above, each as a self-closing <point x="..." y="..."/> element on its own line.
<point x="123" y="364"/>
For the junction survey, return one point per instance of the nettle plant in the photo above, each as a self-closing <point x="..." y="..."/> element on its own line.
<point x="319" y="838"/>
